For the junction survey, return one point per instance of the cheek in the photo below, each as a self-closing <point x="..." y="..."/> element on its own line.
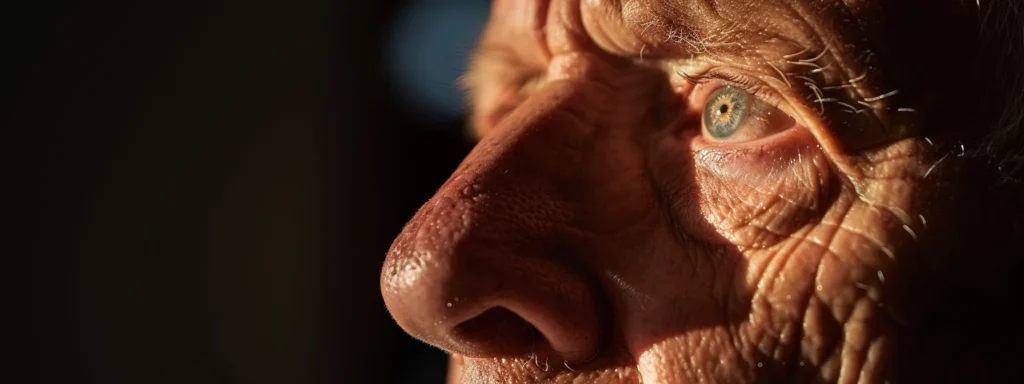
<point x="749" y="195"/>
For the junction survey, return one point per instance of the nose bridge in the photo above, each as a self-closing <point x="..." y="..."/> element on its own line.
<point x="519" y="183"/>
<point x="493" y="237"/>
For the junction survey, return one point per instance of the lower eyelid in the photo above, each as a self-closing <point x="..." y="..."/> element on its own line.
<point x="752" y="155"/>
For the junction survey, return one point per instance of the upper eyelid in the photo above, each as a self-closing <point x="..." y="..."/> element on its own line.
<point x="751" y="84"/>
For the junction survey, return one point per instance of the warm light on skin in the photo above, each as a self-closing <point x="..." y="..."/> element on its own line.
<point x="598" y="210"/>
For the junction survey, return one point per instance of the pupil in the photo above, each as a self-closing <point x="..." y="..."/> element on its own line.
<point x="723" y="109"/>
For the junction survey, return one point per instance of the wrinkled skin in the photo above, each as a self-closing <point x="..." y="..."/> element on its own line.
<point x="598" y="234"/>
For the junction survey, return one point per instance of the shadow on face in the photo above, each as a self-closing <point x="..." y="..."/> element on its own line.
<point x="695" y="214"/>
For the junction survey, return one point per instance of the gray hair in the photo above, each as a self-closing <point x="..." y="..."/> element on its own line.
<point x="1001" y="41"/>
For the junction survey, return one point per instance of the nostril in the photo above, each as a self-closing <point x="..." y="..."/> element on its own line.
<point x="544" y="308"/>
<point x="497" y="330"/>
<point x="520" y="326"/>
<point x="519" y="305"/>
<point x="472" y="279"/>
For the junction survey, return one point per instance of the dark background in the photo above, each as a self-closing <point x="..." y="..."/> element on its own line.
<point x="209" y="188"/>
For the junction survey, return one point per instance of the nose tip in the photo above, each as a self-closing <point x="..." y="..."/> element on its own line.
<point x="475" y="293"/>
<point x="495" y="264"/>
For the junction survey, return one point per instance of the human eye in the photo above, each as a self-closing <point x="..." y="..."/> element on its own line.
<point x="735" y="109"/>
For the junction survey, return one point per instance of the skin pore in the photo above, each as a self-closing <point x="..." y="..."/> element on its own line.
<point x="604" y="230"/>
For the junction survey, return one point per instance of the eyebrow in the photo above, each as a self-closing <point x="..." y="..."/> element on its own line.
<point x="700" y="27"/>
<point x="803" y="44"/>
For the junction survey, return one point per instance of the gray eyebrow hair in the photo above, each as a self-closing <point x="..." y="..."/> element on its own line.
<point x="716" y="30"/>
<point x="683" y="35"/>
<point x="677" y="34"/>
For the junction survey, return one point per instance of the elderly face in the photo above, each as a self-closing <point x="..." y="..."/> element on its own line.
<point x="677" y="191"/>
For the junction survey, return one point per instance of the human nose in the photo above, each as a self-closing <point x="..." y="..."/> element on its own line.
<point x="490" y="265"/>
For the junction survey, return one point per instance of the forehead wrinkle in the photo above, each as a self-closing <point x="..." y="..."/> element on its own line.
<point x="710" y="27"/>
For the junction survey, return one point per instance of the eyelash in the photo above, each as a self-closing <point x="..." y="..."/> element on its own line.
<point x="752" y="86"/>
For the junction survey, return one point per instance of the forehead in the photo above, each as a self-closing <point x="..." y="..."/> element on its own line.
<point x="723" y="23"/>
<point x="727" y="25"/>
<point x="669" y="27"/>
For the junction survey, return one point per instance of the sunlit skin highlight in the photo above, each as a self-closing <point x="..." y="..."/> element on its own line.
<point x="600" y="232"/>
